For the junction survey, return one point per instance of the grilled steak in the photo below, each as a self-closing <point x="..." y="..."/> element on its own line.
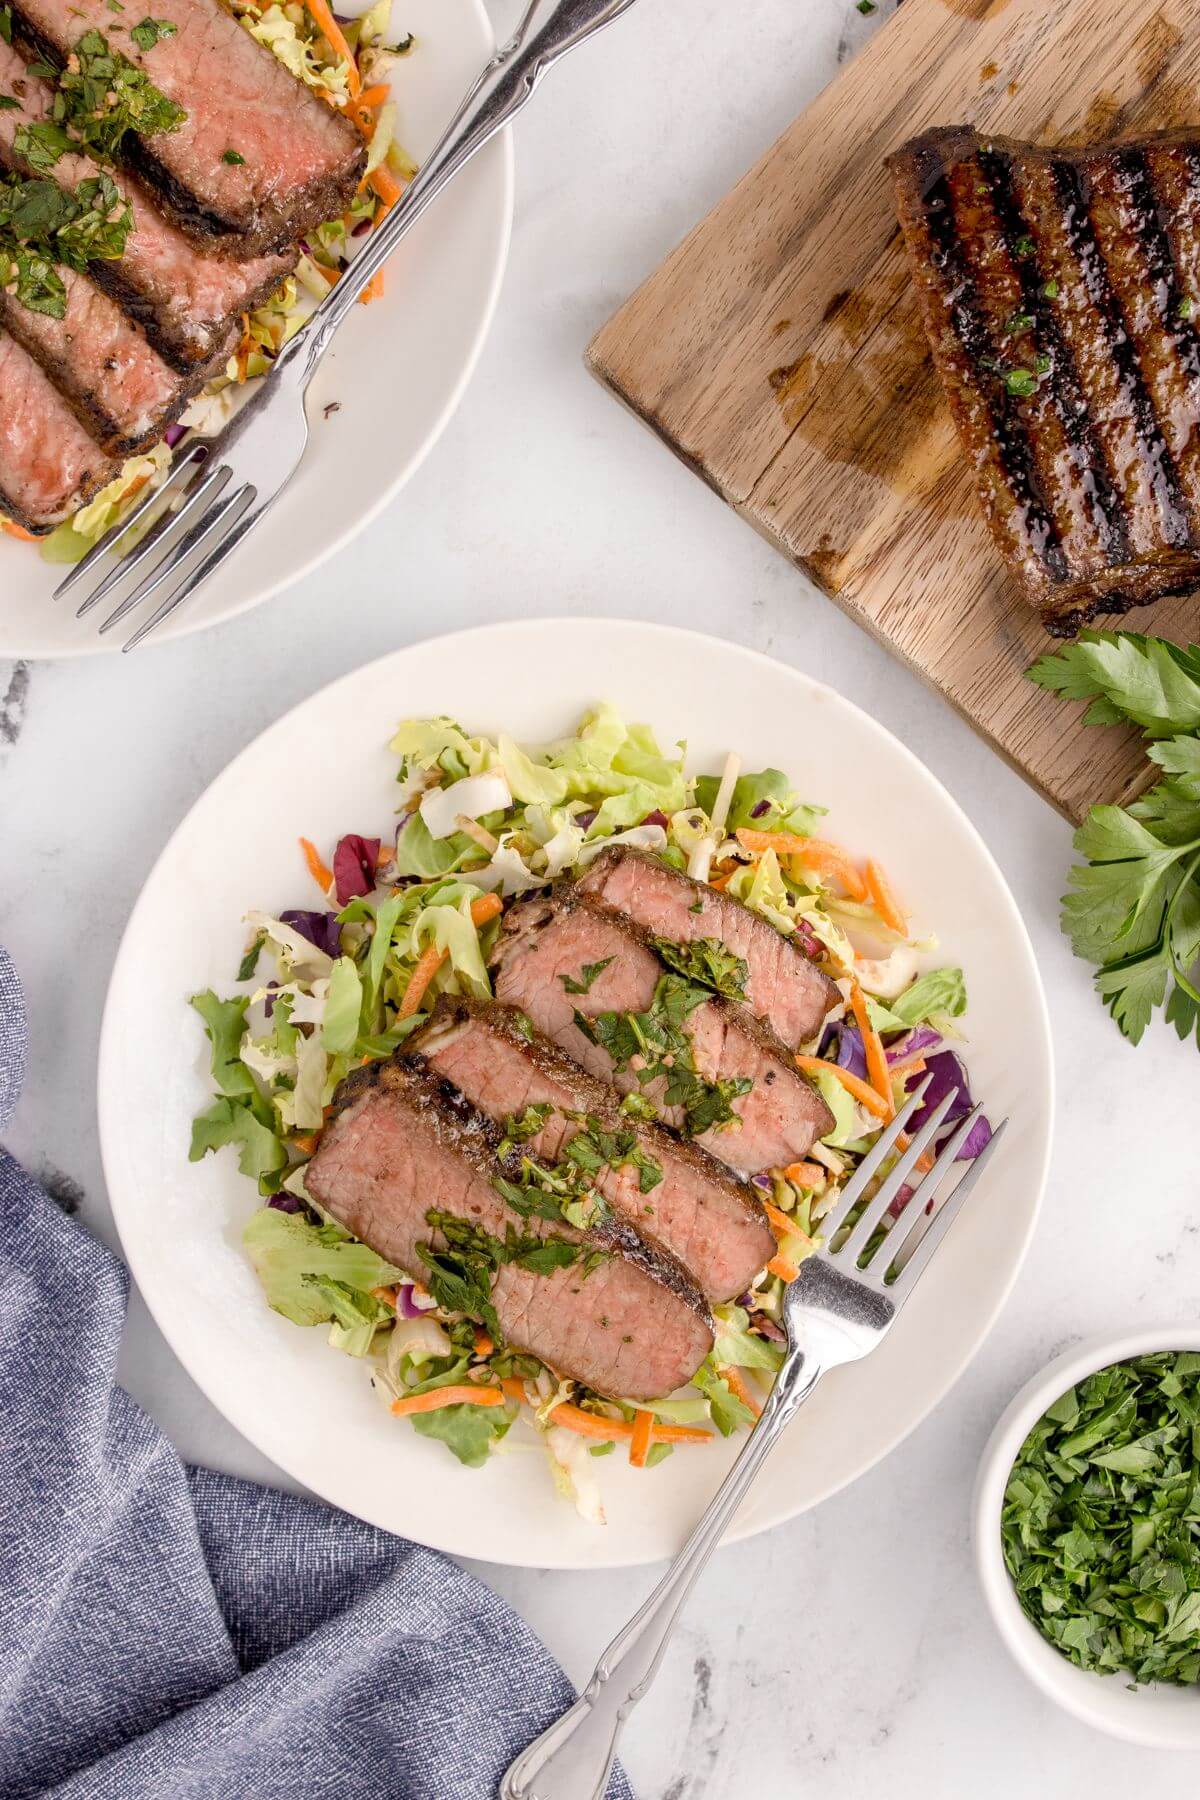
<point x="115" y="383"/>
<point x="404" y="1144"/>
<point x="782" y="985"/>
<point x="49" y="465"/>
<point x="299" y="161"/>
<point x="187" y="303"/>
<point x="614" y="971"/>
<point x="676" y="1194"/>
<point x="1057" y="288"/>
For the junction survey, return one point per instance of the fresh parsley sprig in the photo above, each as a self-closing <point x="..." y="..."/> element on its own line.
<point x="1134" y="905"/>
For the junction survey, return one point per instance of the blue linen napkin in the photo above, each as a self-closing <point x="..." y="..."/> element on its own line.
<point x="170" y="1631"/>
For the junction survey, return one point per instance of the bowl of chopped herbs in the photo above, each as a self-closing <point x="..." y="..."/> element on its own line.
<point x="1087" y="1533"/>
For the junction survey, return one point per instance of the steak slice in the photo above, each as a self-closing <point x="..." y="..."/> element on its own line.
<point x="678" y="1196"/>
<point x="187" y="303"/>
<point x="782" y="985"/>
<point x="402" y="1144"/>
<point x="300" y="161"/>
<point x="1057" y="289"/>
<point x="114" y="381"/>
<point x="547" y="943"/>
<point x="49" y="466"/>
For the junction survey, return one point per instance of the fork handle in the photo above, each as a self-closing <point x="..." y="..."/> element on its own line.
<point x="573" y="1759"/>
<point x="548" y="30"/>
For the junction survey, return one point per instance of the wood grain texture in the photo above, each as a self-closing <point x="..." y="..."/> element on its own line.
<point x="779" y="350"/>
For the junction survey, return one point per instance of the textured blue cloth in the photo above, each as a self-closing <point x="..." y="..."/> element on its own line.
<point x="175" y="1633"/>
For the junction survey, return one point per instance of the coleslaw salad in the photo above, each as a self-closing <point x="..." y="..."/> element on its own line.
<point x="391" y="921"/>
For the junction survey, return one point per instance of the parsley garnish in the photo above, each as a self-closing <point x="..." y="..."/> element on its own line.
<point x="43" y="225"/>
<point x="8" y="103"/>
<point x="1134" y="904"/>
<point x="1016" y="323"/>
<point x="1098" y="1524"/>
<point x="664" y="1049"/>
<point x="1021" y="382"/>
<point x="249" y="962"/>
<point x="587" y="976"/>
<point x="96" y="103"/>
<point x="708" y="962"/>
<point x="460" y="1276"/>
<point x="151" y="31"/>
<point x="232" y="156"/>
<point x="6" y="24"/>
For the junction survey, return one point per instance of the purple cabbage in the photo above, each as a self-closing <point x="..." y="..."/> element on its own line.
<point x="842" y="1044"/>
<point x="172" y="435"/>
<point x="585" y="820"/>
<point x="808" y="941"/>
<point x="269" y="999"/>
<point x="320" y="928"/>
<point x="656" y="817"/>
<point x="362" y="228"/>
<point x="759" y="811"/>
<point x="948" y="1076"/>
<point x="285" y="1202"/>
<point x="406" y="1306"/>
<point x="762" y="1181"/>
<point x="354" y="864"/>
<point x="923" y="1038"/>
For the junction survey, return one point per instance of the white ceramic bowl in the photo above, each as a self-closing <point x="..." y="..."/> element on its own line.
<point x="1157" y="1715"/>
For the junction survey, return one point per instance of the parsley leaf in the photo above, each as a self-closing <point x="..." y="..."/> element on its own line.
<point x="1098" y="1522"/>
<point x="232" y="156"/>
<point x="151" y="31"/>
<point x="707" y="961"/>
<point x="587" y="976"/>
<point x="660" y="1042"/>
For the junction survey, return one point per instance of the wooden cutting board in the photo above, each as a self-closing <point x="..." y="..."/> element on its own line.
<point x="779" y="350"/>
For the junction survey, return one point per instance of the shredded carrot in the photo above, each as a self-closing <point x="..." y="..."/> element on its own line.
<point x="828" y="859"/>
<point x="385" y="185"/>
<point x="738" y="1386"/>
<point x="18" y="531"/>
<point x="883" y="899"/>
<point x="447" y="1396"/>
<point x="428" y="964"/>
<point x="807" y="1174"/>
<point x="306" y="1142"/>
<point x="514" y="1389"/>
<point x="374" y="96"/>
<point x="680" y="1434"/>
<point x="592" y="1425"/>
<point x="782" y="1224"/>
<point x="861" y="1090"/>
<point x="332" y="32"/>
<point x="484" y="1345"/>
<point x="914" y="1066"/>
<point x="488" y="906"/>
<point x="639" y="1442"/>
<point x="780" y="1265"/>
<point x="924" y="1162"/>
<point x="877" y="1063"/>
<point x="321" y="873"/>
<point x="386" y="1294"/>
<point x="373" y="289"/>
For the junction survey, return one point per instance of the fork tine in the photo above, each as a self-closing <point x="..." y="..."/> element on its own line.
<point x="906" y="1225"/>
<point x="228" y="542"/>
<point x="880" y="1150"/>
<point x="175" y="543"/>
<point x="141" y="554"/>
<point x="185" y="467"/>
<point x="942" y="1220"/>
<point x="875" y="1209"/>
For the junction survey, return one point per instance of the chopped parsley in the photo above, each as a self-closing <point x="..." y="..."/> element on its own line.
<point x="1023" y="247"/>
<point x="6" y="24"/>
<point x="8" y="103"/>
<point x="100" y="96"/>
<point x="43" y="225"/>
<point x="460" y="1276"/>
<point x="1016" y="323"/>
<point x="1099" y="1522"/>
<point x="152" y="31"/>
<point x="1050" y="290"/>
<point x="1021" y="382"/>
<point x="707" y="962"/>
<point x="232" y="156"/>
<point x="587" y="976"/>
<point x="1186" y="307"/>
<point x="249" y="961"/>
<point x="663" y="1049"/>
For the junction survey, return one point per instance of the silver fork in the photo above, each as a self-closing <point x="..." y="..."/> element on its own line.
<point x="841" y="1305"/>
<point x="217" y="492"/>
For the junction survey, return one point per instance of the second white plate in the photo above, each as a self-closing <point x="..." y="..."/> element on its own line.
<point x="323" y="770"/>
<point x="396" y="372"/>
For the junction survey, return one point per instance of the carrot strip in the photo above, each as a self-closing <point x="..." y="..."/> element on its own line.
<point x="514" y="1389"/>
<point x="488" y="906"/>
<point x="386" y="1294"/>
<point x="484" y="1345"/>
<point x="306" y="1141"/>
<point x="807" y="1174"/>
<point x="18" y="531"/>
<point x="447" y="1396"/>
<point x="780" y="1265"/>
<point x="862" y="1091"/>
<point x="385" y="184"/>
<point x="924" y="1162"/>
<point x="877" y="1063"/>
<point x="736" y="1385"/>
<point x="373" y="289"/>
<point x="828" y="859"/>
<point x="639" y="1442"/>
<point x="321" y="873"/>
<point x="782" y="1225"/>
<point x="680" y="1434"/>
<point x="588" y="1424"/>
<point x="914" y="1066"/>
<point x="332" y="32"/>
<point x="883" y="899"/>
<point x="428" y="964"/>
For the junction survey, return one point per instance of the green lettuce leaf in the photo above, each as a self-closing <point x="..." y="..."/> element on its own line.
<point x="339" y="1028"/>
<point x="225" y="1025"/>
<point x="261" y="1152"/>
<point x="297" y="1261"/>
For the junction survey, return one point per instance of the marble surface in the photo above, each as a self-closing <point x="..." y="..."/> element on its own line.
<point x="850" y="1650"/>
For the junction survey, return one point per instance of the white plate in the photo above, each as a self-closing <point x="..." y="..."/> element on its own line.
<point x="324" y="769"/>
<point x="397" y="369"/>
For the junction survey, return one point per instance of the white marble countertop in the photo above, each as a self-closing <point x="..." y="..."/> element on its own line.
<point x="849" y="1649"/>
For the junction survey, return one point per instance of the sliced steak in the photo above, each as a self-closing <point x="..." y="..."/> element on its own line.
<point x="300" y="161"/>
<point x="782" y="985"/>
<point x="676" y="1195"/>
<point x="187" y="303"/>
<point x="114" y="381"/>
<point x="1057" y="288"/>
<point x="403" y="1144"/>
<point x="49" y="465"/>
<point x="549" y="943"/>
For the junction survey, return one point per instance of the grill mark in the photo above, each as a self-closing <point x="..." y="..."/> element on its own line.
<point x="1137" y="182"/>
<point x="1008" y="434"/>
<point x="1104" y="501"/>
<point x="1081" y="235"/>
